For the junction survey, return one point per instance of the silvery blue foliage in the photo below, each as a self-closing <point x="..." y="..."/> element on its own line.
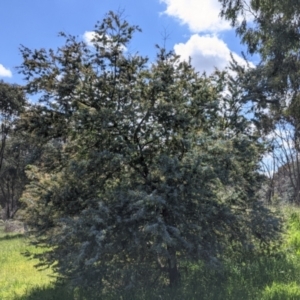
<point x="151" y="176"/>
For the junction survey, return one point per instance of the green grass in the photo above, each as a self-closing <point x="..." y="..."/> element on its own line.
<point x="264" y="278"/>
<point x="17" y="272"/>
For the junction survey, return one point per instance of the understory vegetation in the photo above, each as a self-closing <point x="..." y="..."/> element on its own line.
<point x="266" y="277"/>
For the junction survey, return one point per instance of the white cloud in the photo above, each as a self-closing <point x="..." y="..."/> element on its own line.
<point x="207" y="53"/>
<point x="88" y="36"/>
<point x="199" y="15"/>
<point x="5" y="72"/>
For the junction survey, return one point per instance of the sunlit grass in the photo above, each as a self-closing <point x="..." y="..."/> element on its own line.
<point x="17" y="272"/>
<point x="278" y="291"/>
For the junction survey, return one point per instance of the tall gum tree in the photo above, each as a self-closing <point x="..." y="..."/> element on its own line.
<point x="270" y="29"/>
<point x="12" y="103"/>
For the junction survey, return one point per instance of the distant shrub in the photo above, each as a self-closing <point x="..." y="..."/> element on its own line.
<point x="14" y="227"/>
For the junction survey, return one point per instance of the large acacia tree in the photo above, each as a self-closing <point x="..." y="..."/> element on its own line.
<point x="145" y="166"/>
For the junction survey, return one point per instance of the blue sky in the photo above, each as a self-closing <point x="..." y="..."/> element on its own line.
<point x="193" y="29"/>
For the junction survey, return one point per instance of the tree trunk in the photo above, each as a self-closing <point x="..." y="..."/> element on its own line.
<point x="174" y="275"/>
<point x="6" y="212"/>
<point x="9" y="210"/>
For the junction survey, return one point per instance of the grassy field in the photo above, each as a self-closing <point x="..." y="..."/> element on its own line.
<point x="17" y="273"/>
<point x="266" y="277"/>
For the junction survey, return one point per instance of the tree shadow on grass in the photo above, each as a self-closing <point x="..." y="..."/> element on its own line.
<point x="263" y="278"/>
<point x="49" y="293"/>
<point x="11" y="236"/>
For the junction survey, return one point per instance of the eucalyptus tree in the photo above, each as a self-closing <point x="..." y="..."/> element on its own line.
<point x="12" y="103"/>
<point x="270" y="29"/>
<point x="145" y="165"/>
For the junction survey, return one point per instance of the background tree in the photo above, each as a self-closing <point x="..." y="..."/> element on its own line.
<point x="283" y="165"/>
<point x="150" y="167"/>
<point x="12" y="103"/>
<point x="270" y="29"/>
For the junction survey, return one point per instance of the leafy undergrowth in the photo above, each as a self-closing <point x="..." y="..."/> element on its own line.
<point x="265" y="277"/>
